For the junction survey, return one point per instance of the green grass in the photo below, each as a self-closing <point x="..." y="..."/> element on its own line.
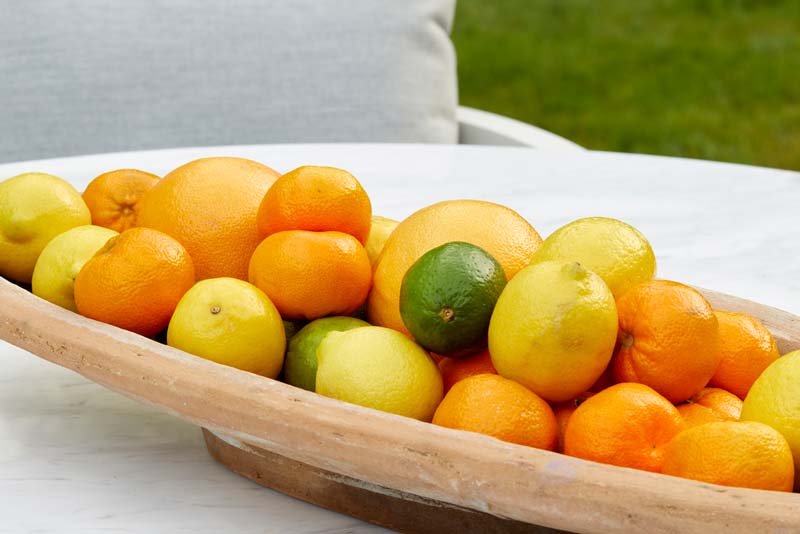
<point x="712" y="79"/>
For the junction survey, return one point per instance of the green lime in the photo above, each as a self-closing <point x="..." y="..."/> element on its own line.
<point x="300" y="366"/>
<point x="291" y="328"/>
<point x="447" y="297"/>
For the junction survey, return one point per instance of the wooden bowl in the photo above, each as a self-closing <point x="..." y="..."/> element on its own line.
<point x="391" y="470"/>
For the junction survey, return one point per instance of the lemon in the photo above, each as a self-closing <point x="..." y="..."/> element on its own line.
<point x="774" y="399"/>
<point x="379" y="368"/>
<point x="231" y="322"/>
<point x="61" y="261"/>
<point x="379" y="232"/>
<point x="554" y="329"/>
<point x="447" y="297"/>
<point x="301" y="356"/>
<point x="615" y="250"/>
<point x="34" y="208"/>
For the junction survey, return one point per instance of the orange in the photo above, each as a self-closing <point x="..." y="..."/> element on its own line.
<point x="496" y="406"/>
<point x="626" y="425"/>
<point x="500" y="231"/>
<point x="747" y="348"/>
<point x="210" y="206"/>
<point x="455" y="369"/>
<point x="308" y="275"/>
<point x="710" y="405"/>
<point x="745" y="454"/>
<point x="135" y="281"/>
<point x="563" y="411"/>
<point x="113" y="198"/>
<point x="668" y="339"/>
<point x="317" y="199"/>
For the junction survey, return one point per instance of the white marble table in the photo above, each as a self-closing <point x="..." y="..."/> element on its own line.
<point x="77" y="458"/>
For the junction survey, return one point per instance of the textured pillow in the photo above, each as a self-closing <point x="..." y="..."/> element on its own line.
<point x="88" y="76"/>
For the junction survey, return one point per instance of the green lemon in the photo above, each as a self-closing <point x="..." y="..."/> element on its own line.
<point x="447" y="297"/>
<point x="231" y="322"/>
<point x="34" y="208"/>
<point x="379" y="368"/>
<point x="554" y="329"/>
<point x="774" y="399"/>
<point x="61" y="261"/>
<point x="614" y="250"/>
<point x="300" y="368"/>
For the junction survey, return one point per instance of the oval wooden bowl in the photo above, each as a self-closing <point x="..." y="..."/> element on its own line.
<point x="387" y="469"/>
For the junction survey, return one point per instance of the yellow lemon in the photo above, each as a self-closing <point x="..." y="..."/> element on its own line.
<point x="615" y="250"/>
<point x="34" y="208"/>
<point x="553" y="329"/>
<point x="379" y="232"/>
<point x="379" y="368"/>
<point x="231" y="322"/>
<point x="61" y="261"/>
<point x="774" y="399"/>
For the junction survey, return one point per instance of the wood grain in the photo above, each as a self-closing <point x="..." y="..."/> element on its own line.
<point x="462" y="469"/>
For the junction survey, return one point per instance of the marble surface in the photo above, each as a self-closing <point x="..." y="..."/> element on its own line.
<point x="77" y="458"/>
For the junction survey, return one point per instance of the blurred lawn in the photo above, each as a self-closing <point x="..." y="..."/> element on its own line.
<point x="713" y="79"/>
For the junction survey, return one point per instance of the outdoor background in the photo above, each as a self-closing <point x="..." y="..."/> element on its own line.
<point x="712" y="79"/>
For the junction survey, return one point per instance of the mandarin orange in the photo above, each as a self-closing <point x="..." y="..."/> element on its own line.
<point x="710" y="405"/>
<point x="627" y="425"/>
<point x="668" y="339"/>
<point x="317" y="199"/>
<point x="113" y="197"/>
<point x="135" y="281"/>
<point x="456" y="369"/>
<point x="496" y="406"/>
<point x="747" y="348"/>
<point x="308" y="275"/>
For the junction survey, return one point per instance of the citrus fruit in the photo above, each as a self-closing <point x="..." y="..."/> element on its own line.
<point x="668" y="339"/>
<point x="710" y="405"/>
<point x="626" y="425"/>
<point x="498" y="230"/>
<point x="34" y="208"/>
<point x="379" y="368"/>
<point x="774" y="399"/>
<point x="563" y="411"/>
<point x="229" y="321"/>
<point x="135" y="281"/>
<point x="316" y="199"/>
<point x="746" y="349"/>
<point x="379" y="231"/>
<point x="61" y="261"/>
<point x="290" y="328"/>
<point x="113" y="197"/>
<point x="493" y="405"/>
<point x="553" y="329"/>
<point x="447" y="297"/>
<point x="732" y="453"/>
<point x="309" y="275"/>
<point x="300" y="367"/>
<point x="210" y="205"/>
<point x="456" y="369"/>
<point x="615" y="250"/>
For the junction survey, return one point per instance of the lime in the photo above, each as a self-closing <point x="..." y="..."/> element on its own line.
<point x="447" y="297"/>
<point x="379" y="368"/>
<point x="300" y="368"/>
<point x="34" y="208"/>
<point x="290" y="328"/>
<point x="61" y="261"/>
<point x="554" y="329"/>
<point x="231" y="322"/>
<point x="774" y="399"/>
<point x="615" y="250"/>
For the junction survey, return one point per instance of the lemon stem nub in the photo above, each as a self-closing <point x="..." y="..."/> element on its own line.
<point x="447" y="314"/>
<point x="215" y="309"/>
